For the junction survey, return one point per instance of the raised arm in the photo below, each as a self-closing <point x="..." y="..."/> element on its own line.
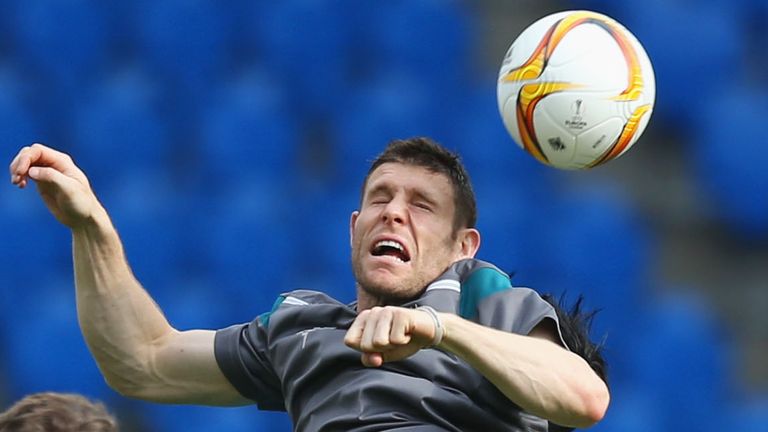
<point x="136" y="349"/>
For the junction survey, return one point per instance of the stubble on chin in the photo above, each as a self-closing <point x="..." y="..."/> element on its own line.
<point x="386" y="293"/>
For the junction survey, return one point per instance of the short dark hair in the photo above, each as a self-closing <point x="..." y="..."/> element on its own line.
<point x="57" y="412"/>
<point x="426" y="153"/>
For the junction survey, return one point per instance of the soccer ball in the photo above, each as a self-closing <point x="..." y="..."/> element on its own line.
<point x="576" y="89"/>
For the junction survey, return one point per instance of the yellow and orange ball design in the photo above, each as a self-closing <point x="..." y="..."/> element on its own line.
<point x="576" y="89"/>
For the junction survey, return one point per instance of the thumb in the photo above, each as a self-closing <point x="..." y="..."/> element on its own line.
<point x="372" y="359"/>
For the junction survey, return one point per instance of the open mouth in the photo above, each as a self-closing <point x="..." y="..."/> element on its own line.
<point x="391" y="248"/>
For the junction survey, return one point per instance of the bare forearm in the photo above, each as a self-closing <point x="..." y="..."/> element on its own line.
<point x="138" y="352"/>
<point x="119" y="320"/>
<point x="536" y="374"/>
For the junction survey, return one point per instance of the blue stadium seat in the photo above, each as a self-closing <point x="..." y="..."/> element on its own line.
<point x="118" y="130"/>
<point x="508" y="220"/>
<point x="747" y="415"/>
<point x="49" y="353"/>
<point x="490" y="154"/>
<point x="248" y="131"/>
<point x="33" y="244"/>
<point x="680" y="354"/>
<point x="247" y="244"/>
<point x="673" y="33"/>
<point x="186" y="43"/>
<point x="313" y="58"/>
<point x="598" y="247"/>
<point x="204" y="419"/>
<point x="191" y="301"/>
<point x="144" y="209"/>
<point x="607" y="7"/>
<point x="323" y="248"/>
<point x="20" y="124"/>
<point x="631" y="410"/>
<point x="428" y="39"/>
<point x="66" y="42"/>
<point x="388" y="106"/>
<point x="730" y="159"/>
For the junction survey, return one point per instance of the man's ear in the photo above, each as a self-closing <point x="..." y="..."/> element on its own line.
<point x="469" y="239"/>
<point x="352" y="222"/>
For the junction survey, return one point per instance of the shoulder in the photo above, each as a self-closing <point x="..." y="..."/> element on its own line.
<point x="303" y="297"/>
<point x="305" y="305"/>
<point x="488" y="297"/>
<point x="482" y="284"/>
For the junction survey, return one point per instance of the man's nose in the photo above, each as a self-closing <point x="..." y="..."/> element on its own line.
<point x="395" y="212"/>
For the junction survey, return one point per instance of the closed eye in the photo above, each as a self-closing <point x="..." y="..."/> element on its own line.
<point x="423" y="206"/>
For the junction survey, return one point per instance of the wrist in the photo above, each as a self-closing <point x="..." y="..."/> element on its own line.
<point x="450" y="322"/>
<point x="96" y="224"/>
<point x="438" y="325"/>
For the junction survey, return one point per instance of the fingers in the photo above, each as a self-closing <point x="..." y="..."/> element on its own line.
<point x="376" y="332"/>
<point x="38" y="155"/>
<point x="355" y="333"/>
<point x="46" y="175"/>
<point x="381" y="335"/>
<point x="399" y="333"/>
<point x="19" y="166"/>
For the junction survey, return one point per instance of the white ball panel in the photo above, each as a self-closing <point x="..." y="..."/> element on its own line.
<point x="557" y="143"/>
<point x="595" y="141"/>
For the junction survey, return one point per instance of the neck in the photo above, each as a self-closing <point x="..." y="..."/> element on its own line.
<point x="366" y="300"/>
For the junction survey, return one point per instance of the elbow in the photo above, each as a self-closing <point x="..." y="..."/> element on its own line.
<point x="596" y="413"/>
<point x="595" y="405"/>
<point x="130" y="380"/>
<point x="124" y="387"/>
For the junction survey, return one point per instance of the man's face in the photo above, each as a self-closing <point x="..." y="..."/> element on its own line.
<point x="402" y="236"/>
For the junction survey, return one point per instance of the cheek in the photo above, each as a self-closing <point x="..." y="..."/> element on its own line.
<point x="440" y="247"/>
<point x="358" y="231"/>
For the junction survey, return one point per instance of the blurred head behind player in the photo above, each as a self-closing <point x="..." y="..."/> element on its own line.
<point x="57" y="412"/>
<point x="417" y="216"/>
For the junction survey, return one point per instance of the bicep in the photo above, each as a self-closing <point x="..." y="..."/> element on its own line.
<point x="184" y="370"/>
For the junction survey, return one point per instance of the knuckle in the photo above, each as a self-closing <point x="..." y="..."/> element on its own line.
<point x="380" y="341"/>
<point x="398" y="339"/>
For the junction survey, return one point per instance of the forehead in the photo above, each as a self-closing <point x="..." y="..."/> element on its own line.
<point x="413" y="178"/>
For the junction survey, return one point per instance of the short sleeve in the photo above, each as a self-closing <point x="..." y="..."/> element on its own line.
<point x="243" y="357"/>
<point x="488" y="298"/>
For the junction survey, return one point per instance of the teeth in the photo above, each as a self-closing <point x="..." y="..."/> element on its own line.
<point x="390" y="243"/>
<point x="394" y="258"/>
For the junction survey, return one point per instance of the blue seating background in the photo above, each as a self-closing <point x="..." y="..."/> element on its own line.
<point x="228" y="140"/>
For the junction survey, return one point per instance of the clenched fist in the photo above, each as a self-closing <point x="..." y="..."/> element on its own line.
<point x="392" y="333"/>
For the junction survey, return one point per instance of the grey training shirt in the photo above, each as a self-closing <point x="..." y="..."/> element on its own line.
<point x="293" y="358"/>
